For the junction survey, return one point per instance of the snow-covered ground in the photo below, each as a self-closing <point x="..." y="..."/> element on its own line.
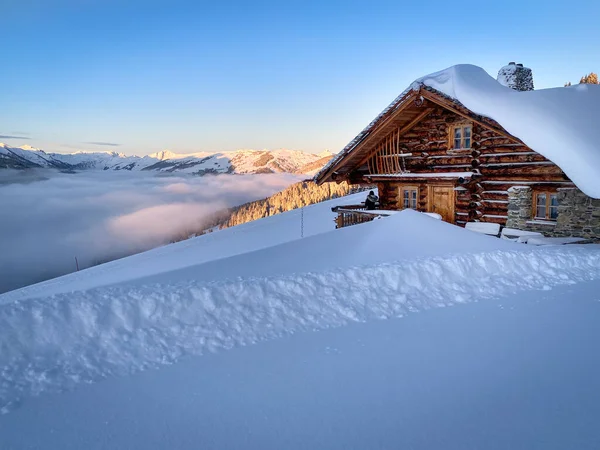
<point x="511" y="373"/>
<point x="310" y="362"/>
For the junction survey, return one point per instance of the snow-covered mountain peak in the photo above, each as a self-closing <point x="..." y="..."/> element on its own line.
<point x="325" y="154"/>
<point x="164" y="154"/>
<point x="239" y="161"/>
<point x="30" y="148"/>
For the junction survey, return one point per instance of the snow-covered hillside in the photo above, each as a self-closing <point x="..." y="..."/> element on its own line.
<point x="461" y="377"/>
<point x="241" y="161"/>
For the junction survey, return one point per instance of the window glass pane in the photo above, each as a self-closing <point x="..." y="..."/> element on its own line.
<point x="414" y="199"/>
<point x="467" y="137"/>
<point x="541" y="206"/>
<point x="457" y="137"/>
<point x="553" y="206"/>
<point x="406" y="199"/>
<point x="540" y="212"/>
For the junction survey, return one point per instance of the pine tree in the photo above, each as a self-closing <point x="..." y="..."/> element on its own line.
<point x="591" y="78"/>
<point x="295" y="196"/>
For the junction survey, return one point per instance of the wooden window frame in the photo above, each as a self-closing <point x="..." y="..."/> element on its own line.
<point x="451" y="130"/>
<point x="408" y="187"/>
<point x="548" y="205"/>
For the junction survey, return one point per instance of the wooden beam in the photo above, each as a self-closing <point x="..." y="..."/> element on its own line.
<point x="404" y="104"/>
<point x="403" y="130"/>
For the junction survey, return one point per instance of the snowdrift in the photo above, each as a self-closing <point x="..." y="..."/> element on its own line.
<point x="402" y="264"/>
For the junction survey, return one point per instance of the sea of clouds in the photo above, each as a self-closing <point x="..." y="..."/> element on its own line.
<point x="48" y="219"/>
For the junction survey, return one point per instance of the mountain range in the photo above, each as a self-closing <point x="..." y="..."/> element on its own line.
<point x="239" y="161"/>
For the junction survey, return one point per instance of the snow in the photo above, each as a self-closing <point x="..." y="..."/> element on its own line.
<point x="510" y="233"/>
<point x="213" y="342"/>
<point x="542" y="222"/>
<point x="490" y="375"/>
<point x="493" y="229"/>
<point x="559" y="123"/>
<point x="540" y="240"/>
<point x="191" y="307"/>
<point x="428" y="175"/>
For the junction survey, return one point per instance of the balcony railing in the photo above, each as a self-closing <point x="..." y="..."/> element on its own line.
<point x="355" y="214"/>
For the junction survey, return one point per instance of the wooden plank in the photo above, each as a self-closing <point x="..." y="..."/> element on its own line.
<point x="494" y="196"/>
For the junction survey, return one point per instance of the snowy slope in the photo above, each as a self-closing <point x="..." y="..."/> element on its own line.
<point x="248" y="237"/>
<point x="515" y="373"/>
<point x="27" y="157"/>
<point x="371" y="271"/>
<point x="465" y="372"/>
<point x="241" y="161"/>
<point x="559" y="123"/>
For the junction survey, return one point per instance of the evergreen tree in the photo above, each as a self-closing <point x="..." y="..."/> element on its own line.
<point x="591" y="78"/>
<point x="295" y="196"/>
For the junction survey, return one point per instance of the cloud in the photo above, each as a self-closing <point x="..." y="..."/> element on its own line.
<point x="8" y="136"/>
<point x="108" y="144"/>
<point x="50" y="218"/>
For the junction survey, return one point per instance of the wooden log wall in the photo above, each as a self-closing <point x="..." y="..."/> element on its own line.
<point x="497" y="162"/>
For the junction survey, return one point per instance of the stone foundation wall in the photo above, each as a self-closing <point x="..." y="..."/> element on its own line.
<point x="578" y="214"/>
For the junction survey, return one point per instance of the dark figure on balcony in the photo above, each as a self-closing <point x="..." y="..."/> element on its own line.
<point x="371" y="201"/>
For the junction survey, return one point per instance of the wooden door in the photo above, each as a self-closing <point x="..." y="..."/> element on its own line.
<point x="441" y="201"/>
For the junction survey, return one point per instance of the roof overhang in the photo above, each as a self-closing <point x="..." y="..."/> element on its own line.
<point x="412" y="106"/>
<point x="358" y="149"/>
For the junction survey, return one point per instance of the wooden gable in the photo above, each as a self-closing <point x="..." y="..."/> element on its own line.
<point x="415" y="141"/>
<point x="400" y="118"/>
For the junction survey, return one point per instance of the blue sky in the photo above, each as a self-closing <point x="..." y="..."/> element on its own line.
<point x="200" y="76"/>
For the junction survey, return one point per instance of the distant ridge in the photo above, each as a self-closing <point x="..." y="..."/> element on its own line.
<point x="240" y="161"/>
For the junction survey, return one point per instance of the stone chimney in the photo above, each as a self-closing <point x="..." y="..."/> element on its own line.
<point x="516" y="77"/>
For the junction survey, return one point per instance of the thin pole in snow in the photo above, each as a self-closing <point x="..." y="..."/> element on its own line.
<point x="77" y="264"/>
<point x="302" y="222"/>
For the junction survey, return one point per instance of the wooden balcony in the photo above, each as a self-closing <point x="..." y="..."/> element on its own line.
<point x="355" y="214"/>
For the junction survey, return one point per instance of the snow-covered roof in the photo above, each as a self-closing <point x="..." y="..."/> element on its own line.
<point x="559" y="123"/>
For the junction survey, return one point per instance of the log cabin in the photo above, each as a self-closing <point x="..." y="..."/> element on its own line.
<point x="449" y="145"/>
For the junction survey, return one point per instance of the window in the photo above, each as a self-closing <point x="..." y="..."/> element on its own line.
<point x="409" y="197"/>
<point x="461" y="137"/>
<point x="545" y="206"/>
